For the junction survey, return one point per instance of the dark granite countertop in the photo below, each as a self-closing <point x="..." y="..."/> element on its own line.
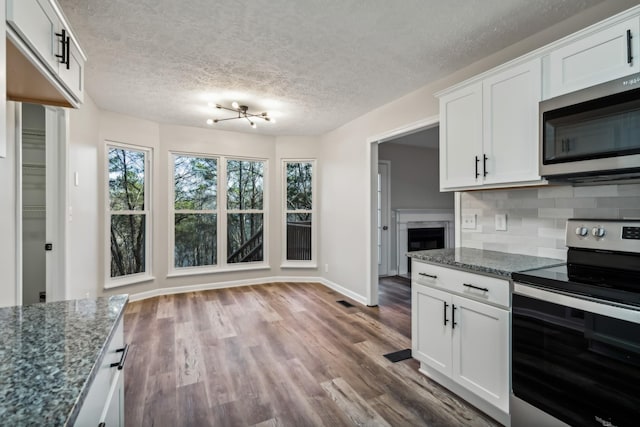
<point x="49" y="354"/>
<point x="484" y="262"/>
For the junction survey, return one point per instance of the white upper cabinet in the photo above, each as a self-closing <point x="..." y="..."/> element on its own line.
<point x="601" y="56"/>
<point x="510" y="107"/>
<point x="41" y="33"/>
<point x="461" y="137"/>
<point x="489" y="130"/>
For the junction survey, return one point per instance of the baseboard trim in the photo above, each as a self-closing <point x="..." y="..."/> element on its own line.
<point x="344" y="291"/>
<point x="245" y="282"/>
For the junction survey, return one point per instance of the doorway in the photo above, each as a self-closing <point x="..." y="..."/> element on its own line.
<point x="401" y="195"/>
<point x="41" y="195"/>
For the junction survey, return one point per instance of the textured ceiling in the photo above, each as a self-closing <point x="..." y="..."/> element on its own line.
<point x="313" y="64"/>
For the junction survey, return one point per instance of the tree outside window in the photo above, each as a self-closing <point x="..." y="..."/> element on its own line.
<point x="128" y="211"/>
<point x="245" y="211"/>
<point x="195" y="215"/>
<point x="299" y="210"/>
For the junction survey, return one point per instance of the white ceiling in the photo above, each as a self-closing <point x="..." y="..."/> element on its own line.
<point x="313" y="64"/>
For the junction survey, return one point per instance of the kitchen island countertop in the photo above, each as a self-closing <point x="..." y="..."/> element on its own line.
<point x="49" y="356"/>
<point x="482" y="261"/>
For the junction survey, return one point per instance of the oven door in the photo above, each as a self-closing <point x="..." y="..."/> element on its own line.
<point x="575" y="359"/>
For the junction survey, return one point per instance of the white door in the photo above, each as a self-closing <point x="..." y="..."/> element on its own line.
<point x="383" y="218"/>
<point x="481" y="350"/>
<point x="431" y="327"/>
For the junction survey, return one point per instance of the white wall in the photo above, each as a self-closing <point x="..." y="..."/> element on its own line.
<point x="83" y="227"/>
<point x="163" y="139"/>
<point x="8" y="215"/>
<point x="346" y="155"/>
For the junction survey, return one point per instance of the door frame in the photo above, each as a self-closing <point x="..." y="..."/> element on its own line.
<point x="56" y="136"/>
<point x="387" y="211"/>
<point x="371" y="205"/>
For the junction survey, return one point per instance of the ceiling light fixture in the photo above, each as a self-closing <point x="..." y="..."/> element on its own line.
<point x="243" y="113"/>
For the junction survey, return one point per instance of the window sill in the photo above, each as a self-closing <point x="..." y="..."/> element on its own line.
<point x="116" y="283"/>
<point x="196" y="271"/>
<point x="291" y="264"/>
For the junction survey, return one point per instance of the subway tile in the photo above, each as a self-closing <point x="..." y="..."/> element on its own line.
<point x="553" y="192"/>
<point x="630" y="214"/>
<point x="629" y="189"/>
<point x="585" y="202"/>
<point x="619" y="202"/>
<point x="495" y="195"/>
<point x="551" y="232"/>
<point x="523" y="194"/>
<point x="526" y="203"/>
<point x="596" y="190"/>
<point x="555" y="212"/>
<point x="603" y="213"/>
<point x="501" y="247"/>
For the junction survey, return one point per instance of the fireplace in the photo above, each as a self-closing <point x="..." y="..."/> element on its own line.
<point x="430" y="219"/>
<point x="419" y="239"/>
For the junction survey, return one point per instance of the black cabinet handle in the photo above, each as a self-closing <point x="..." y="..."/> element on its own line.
<point x="484" y="165"/>
<point x="629" y="53"/>
<point x="64" y="41"/>
<point x="453" y="316"/>
<point x="444" y="312"/>
<point x="102" y="424"/>
<point x="476" y="287"/>
<point x="431" y="276"/>
<point x="477" y="161"/>
<point x="124" y="350"/>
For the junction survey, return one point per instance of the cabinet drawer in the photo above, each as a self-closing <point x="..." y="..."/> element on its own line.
<point x="471" y="285"/>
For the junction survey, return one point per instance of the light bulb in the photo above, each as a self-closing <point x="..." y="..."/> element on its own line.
<point x="209" y="121"/>
<point x="235" y="105"/>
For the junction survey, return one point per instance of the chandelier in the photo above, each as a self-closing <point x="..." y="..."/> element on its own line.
<point x="243" y="113"/>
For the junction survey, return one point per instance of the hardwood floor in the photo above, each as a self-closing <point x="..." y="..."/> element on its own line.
<point x="282" y="354"/>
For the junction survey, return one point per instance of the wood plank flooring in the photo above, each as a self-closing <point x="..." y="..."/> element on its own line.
<point x="282" y="354"/>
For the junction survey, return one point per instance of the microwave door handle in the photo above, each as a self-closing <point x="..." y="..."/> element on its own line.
<point x="629" y="52"/>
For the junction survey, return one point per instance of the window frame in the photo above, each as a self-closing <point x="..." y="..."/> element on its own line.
<point x="222" y="265"/>
<point x="313" y="262"/>
<point x="147" y="275"/>
<point x="200" y="269"/>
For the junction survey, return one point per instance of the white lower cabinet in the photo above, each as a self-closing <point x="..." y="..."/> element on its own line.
<point x="461" y="342"/>
<point x="104" y="403"/>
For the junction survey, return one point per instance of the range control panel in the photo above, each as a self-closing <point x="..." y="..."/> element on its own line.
<point x="632" y="233"/>
<point x="605" y="234"/>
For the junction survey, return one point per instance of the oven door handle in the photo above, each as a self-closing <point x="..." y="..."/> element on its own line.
<point x="591" y="305"/>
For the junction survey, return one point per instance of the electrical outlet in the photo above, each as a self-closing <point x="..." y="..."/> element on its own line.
<point x="469" y="221"/>
<point x="501" y="222"/>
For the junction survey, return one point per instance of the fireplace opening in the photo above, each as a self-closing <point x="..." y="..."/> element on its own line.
<point x="420" y="239"/>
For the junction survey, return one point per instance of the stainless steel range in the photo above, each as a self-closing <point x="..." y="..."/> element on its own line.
<point x="576" y="332"/>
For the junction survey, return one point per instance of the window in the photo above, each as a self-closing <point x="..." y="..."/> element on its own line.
<point x="195" y="215"/>
<point x="128" y="215"/>
<point x="300" y="233"/>
<point x="245" y="211"/>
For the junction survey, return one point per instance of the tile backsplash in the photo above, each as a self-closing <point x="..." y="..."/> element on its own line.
<point x="536" y="216"/>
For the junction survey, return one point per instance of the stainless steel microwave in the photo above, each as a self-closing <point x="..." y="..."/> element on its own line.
<point x="592" y="134"/>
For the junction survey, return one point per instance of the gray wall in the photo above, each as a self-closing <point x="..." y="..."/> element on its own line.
<point x="536" y="217"/>
<point x="415" y="183"/>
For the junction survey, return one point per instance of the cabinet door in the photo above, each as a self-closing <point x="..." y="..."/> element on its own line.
<point x="481" y="350"/>
<point x="36" y="23"/>
<point x="73" y="76"/>
<point x="113" y="412"/>
<point x="430" y="332"/>
<point x="510" y="101"/>
<point x="460" y="137"/>
<point x="597" y="58"/>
